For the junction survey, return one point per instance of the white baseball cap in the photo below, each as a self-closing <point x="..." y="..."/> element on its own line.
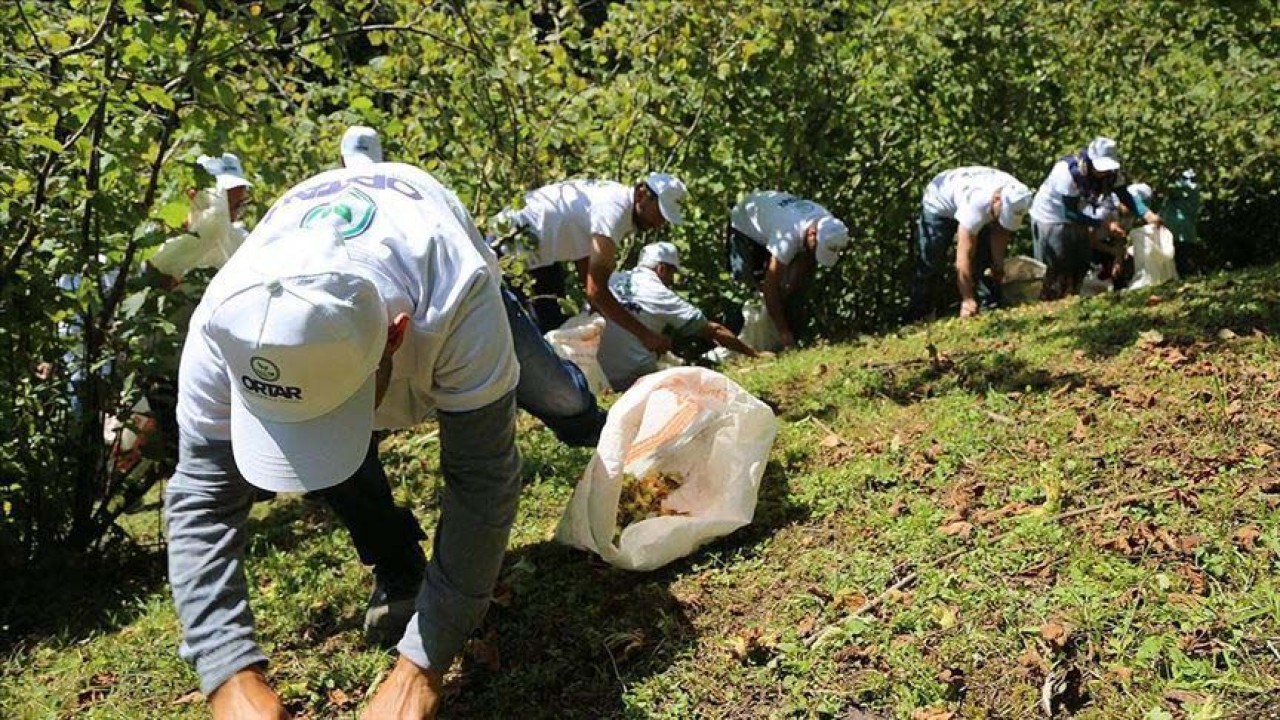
<point x="301" y="333"/>
<point x="1103" y="154"/>
<point x="832" y="237"/>
<point x="1140" y="190"/>
<point x="660" y="252"/>
<point x="226" y="170"/>
<point x="361" y="146"/>
<point x="1015" y="201"/>
<point x="671" y="194"/>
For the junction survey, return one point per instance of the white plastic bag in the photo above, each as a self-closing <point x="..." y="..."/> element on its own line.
<point x="578" y="341"/>
<point x="1023" y="277"/>
<point x="1094" y="285"/>
<point x="691" y="423"/>
<point x="758" y="329"/>
<point x="1152" y="256"/>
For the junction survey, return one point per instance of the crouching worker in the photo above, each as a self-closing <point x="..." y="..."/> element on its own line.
<point x="645" y="292"/>
<point x="361" y="301"/>
<point x="980" y="206"/>
<point x="775" y="240"/>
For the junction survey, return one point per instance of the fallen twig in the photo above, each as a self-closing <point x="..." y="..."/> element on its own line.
<point x="999" y="418"/>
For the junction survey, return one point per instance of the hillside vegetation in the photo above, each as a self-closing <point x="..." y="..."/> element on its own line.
<point x="1073" y="505"/>
<point x="853" y="103"/>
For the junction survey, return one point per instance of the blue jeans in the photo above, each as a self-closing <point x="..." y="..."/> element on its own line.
<point x="552" y="389"/>
<point x="934" y="238"/>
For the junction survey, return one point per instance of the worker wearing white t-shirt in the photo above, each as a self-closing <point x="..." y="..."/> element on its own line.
<point x="552" y="389"/>
<point x="1059" y="225"/>
<point x="774" y="240"/>
<point x="977" y="207"/>
<point x="364" y="299"/>
<point x="646" y="293"/>
<point x="214" y="225"/>
<point x="583" y="222"/>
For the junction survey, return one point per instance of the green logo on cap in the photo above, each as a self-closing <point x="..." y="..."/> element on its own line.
<point x="351" y="213"/>
<point x="264" y="368"/>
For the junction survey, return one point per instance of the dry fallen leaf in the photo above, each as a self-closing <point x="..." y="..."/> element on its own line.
<point x="805" y="626"/>
<point x="831" y="441"/>
<point x="1247" y="536"/>
<point x="898" y="508"/>
<point x="959" y="528"/>
<point x="932" y="713"/>
<point x="1056" y="634"/>
<point x="339" y="698"/>
<point x="1263" y="450"/>
<point x="1031" y="659"/>
<point x="194" y="696"/>
<point x="1184" y="697"/>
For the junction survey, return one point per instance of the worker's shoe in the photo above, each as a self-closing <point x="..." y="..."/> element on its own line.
<point x="391" y="605"/>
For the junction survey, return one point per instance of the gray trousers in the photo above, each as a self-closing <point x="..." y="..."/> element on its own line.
<point x="1064" y="249"/>
<point x="207" y="503"/>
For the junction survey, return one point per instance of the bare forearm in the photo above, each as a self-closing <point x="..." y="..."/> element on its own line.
<point x="608" y="306"/>
<point x="966" y="248"/>
<point x="724" y="337"/>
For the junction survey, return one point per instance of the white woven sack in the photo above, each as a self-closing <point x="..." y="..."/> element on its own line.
<point x="694" y="423"/>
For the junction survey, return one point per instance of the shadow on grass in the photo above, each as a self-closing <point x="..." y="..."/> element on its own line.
<point x="973" y="372"/>
<point x="1105" y="325"/>
<point x="577" y="633"/>
<point x="75" y="598"/>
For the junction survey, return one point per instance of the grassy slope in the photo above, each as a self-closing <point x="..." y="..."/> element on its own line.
<point x="959" y="470"/>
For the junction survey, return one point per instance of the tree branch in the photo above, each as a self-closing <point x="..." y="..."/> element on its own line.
<point x="97" y="35"/>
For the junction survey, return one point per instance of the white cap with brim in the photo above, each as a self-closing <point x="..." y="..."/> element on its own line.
<point x="832" y="236"/>
<point x="1103" y="154"/>
<point x="671" y="195"/>
<point x="658" y="253"/>
<point x="301" y="336"/>
<point x="361" y="146"/>
<point x="1140" y="190"/>
<point x="226" y="170"/>
<point x="1015" y="201"/>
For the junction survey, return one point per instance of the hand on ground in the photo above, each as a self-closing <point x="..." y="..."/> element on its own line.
<point x="408" y="693"/>
<point x="247" y="696"/>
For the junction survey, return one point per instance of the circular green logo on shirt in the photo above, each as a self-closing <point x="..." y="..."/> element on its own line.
<point x="264" y="368"/>
<point x="351" y="213"/>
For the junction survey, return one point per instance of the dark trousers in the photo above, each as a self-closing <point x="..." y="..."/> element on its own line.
<point x="547" y="286"/>
<point x="935" y="237"/>
<point x="386" y="536"/>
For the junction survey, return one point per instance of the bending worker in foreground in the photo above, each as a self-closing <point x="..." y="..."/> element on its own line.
<point x="361" y="301"/>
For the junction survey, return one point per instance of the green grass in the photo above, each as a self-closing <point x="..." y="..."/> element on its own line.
<point x="1105" y="471"/>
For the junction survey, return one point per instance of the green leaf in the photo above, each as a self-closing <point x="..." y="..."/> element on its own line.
<point x="42" y="141"/>
<point x="174" y="212"/>
<point x="156" y="96"/>
<point x="361" y="103"/>
<point x="57" y="41"/>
